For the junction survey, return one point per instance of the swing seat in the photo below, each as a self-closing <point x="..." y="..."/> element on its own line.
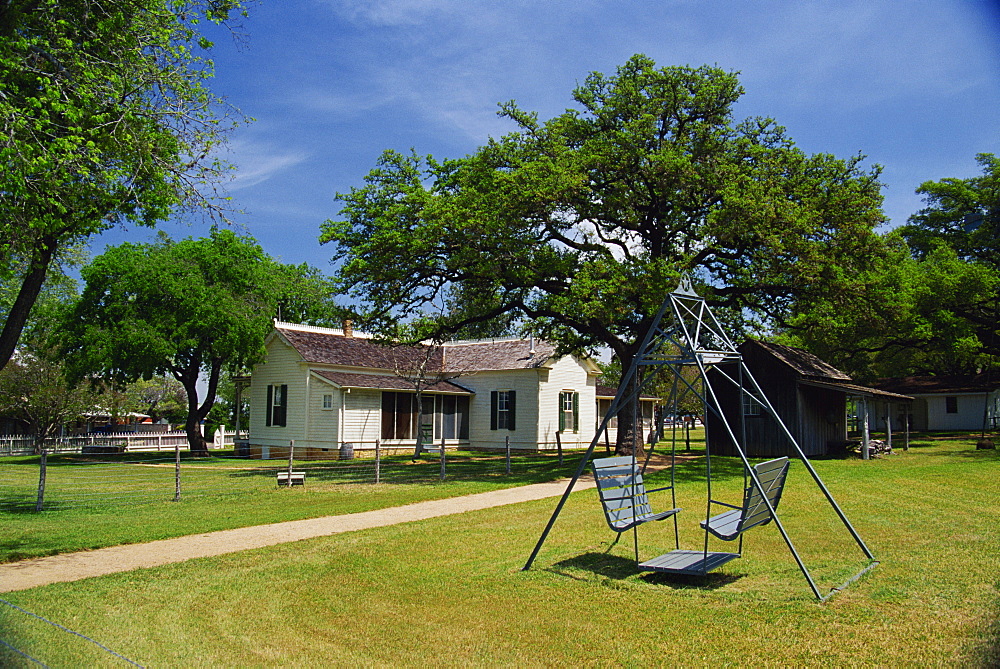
<point x="623" y="493"/>
<point x="731" y="524"/>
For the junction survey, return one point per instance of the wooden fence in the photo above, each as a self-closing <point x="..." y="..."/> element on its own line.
<point x="162" y="441"/>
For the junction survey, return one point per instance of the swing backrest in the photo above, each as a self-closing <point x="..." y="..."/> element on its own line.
<point x="772" y="475"/>
<point x="622" y="492"/>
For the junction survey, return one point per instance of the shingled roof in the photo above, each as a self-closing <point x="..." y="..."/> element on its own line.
<point x="386" y="382"/>
<point x="955" y="383"/>
<point x="498" y="354"/>
<point x="320" y="346"/>
<point x="814" y="371"/>
<point x="803" y="363"/>
<point x="333" y="347"/>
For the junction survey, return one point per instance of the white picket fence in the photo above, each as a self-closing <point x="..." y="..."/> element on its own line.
<point x="162" y="441"/>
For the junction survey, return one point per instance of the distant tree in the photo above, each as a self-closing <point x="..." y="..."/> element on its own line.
<point x="105" y="119"/>
<point x="181" y="308"/>
<point x="931" y="303"/>
<point x="583" y="223"/>
<point x="964" y="216"/>
<point x="34" y="389"/>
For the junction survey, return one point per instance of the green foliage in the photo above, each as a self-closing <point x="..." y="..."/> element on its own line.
<point x="583" y="223"/>
<point x="931" y="303"/>
<point x="106" y="119"/>
<point x="34" y="390"/>
<point x="180" y="308"/>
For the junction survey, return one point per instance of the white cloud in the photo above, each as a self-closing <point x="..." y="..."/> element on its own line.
<point x="256" y="162"/>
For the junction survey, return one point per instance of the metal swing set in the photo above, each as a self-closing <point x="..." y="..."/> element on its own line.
<point x="693" y="338"/>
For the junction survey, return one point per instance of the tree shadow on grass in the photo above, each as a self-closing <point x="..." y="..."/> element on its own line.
<point x="620" y="568"/>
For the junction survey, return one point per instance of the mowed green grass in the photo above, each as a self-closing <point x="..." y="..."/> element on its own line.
<point x="220" y="494"/>
<point x="449" y="591"/>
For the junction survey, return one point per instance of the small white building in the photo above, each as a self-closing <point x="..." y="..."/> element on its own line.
<point x="324" y="388"/>
<point x="950" y="402"/>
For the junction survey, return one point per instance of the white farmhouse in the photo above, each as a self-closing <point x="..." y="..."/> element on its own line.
<point x="324" y="388"/>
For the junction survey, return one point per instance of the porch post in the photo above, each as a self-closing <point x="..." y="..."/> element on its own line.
<point x="864" y="429"/>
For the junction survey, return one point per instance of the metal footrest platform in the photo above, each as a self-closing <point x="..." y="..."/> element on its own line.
<point x="695" y="563"/>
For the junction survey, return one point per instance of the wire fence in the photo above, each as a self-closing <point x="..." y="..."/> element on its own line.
<point x="30" y="640"/>
<point x="50" y="482"/>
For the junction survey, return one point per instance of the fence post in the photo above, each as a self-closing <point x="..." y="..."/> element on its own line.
<point x="559" y="447"/>
<point x="506" y="446"/>
<point x="177" y="471"/>
<point x="42" y="466"/>
<point x="378" y="460"/>
<point x="291" y="454"/>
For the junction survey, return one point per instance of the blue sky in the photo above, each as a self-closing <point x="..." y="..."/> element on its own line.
<point x="913" y="85"/>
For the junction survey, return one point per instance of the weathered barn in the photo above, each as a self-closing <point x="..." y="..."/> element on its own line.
<point x="808" y="394"/>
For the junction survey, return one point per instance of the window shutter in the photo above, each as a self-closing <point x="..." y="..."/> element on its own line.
<point x="576" y="412"/>
<point x="511" y="409"/>
<point x="284" y="406"/>
<point x="270" y="401"/>
<point x="493" y="409"/>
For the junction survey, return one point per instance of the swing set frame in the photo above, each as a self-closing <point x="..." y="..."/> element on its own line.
<point x="693" y="337"/>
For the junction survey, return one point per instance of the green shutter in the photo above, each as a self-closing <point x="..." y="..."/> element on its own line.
<point x="576" y="412"/>
<point x="511" y="410"/>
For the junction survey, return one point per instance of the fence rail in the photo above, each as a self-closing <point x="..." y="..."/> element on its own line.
<point x="131" y="441"/>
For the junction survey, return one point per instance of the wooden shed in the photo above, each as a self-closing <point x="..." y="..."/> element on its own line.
<point x="808" y="394"/>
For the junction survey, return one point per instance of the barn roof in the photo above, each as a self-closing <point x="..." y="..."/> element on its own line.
<point x="814" y="371"/>
<point x="802" y="362"/>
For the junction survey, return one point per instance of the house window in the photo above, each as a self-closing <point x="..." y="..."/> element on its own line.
<point x="277" y="405"/>
<point x="399" y="415"/>
<point x="327" y="401"/>
<point x="451" y="421"/>
<point x="951" y="405"/>
<point x="751" y="403"/>
<point x="502" y="408"/>
<point x="603" y="407"/>
<point x="569" y="411"/>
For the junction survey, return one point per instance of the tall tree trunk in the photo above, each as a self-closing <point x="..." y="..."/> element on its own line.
<point x="192" y="423"/>
<point x="630" y="439"/>
<point x="31" y="286"/>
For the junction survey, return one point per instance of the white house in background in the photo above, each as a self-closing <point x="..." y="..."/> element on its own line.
<point x="950" y="402"/>
<point x="324" y="388"/>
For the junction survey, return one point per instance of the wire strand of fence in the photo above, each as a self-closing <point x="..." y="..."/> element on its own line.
<point x="94" y="480"/>
<point x="68" y="631"/>
<point x="23" y="654"/>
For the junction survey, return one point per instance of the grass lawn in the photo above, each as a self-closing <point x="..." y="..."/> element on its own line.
<point x="128" y="501"/>
<point x="449" y="591"/>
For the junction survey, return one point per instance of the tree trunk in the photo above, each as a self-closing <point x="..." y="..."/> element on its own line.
<point x="31" y="286"/>
<point x="192" y="423"/>
<point x="630" y="441"/>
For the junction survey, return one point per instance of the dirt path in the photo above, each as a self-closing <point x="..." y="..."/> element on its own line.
<point x="75" y="566"/>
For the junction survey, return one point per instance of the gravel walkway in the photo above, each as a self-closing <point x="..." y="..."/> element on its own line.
<point x="75" y="566"/>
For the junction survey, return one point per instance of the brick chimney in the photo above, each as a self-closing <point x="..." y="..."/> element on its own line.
<point x="348" y="328"/>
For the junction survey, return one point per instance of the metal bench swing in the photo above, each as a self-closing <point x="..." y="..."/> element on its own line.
<point x="624" y="496"/>
<point x="694" y="339"/>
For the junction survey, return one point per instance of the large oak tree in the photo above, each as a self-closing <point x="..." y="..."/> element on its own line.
<point x="583" y="223"/>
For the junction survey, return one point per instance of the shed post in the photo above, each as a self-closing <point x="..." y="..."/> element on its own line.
<point x="378" y="460"/>
<point x="864" y="429"/>
<point x="888" y="426"/>
<point x="506" y="447"/>
<point x="291" y="455"/>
